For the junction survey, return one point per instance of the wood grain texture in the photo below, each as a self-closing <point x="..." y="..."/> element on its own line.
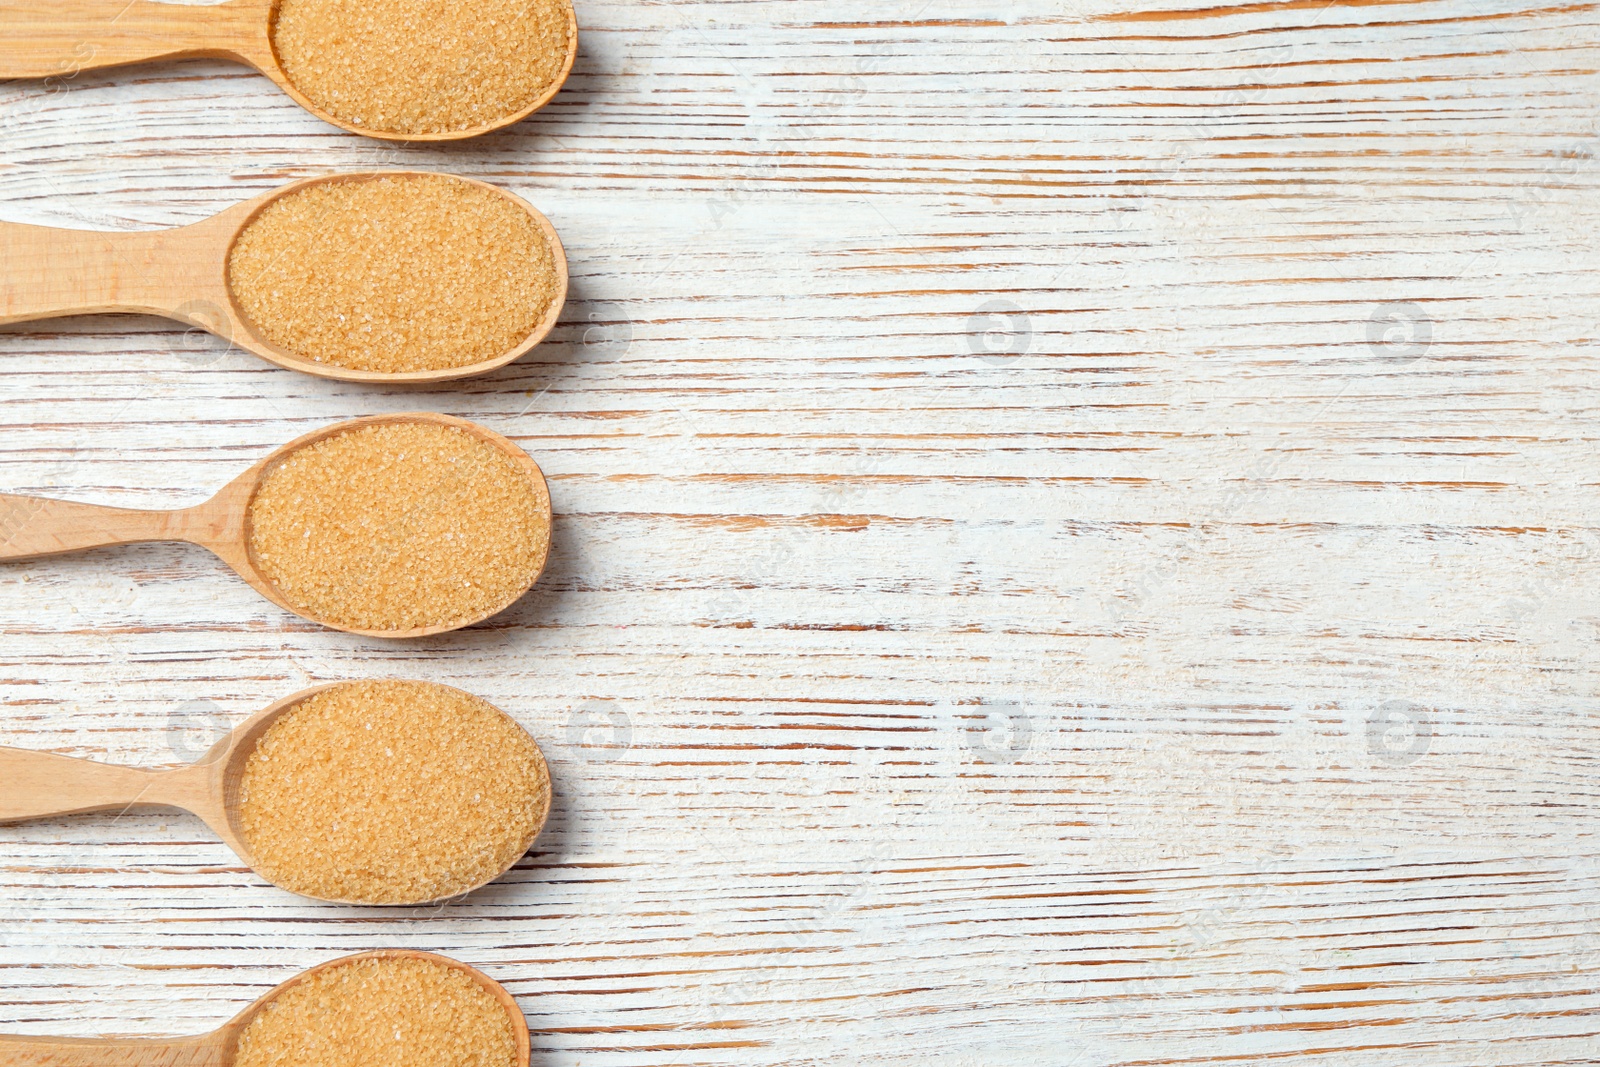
<point x="1075" y="540"/>
<point x="74" y="35"/>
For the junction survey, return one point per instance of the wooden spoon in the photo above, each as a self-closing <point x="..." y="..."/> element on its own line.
<point x="182" y="274"/>
<point x="40" y="785"/>
<point x="218" y="1048"/>
<point x="32" y="527"/>
<point x="60" y="38"/>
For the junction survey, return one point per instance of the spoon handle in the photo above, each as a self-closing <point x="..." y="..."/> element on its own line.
<point x="46" y="272"/>
<point x="34" y="526"/>
<point x="205" y="1051"/>
<point x="61" y="38"/>
<point x="38" y="785"/>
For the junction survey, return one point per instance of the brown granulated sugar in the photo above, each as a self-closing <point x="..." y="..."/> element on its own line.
<point x="419" y="66"/>
<point x="399" y="526"/>
<point x="410" y="272"/>
<point x="394" y="1011"/>
<point x="391" y="792"/>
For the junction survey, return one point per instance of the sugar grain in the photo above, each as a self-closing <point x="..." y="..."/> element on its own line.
<point x="408" y="272"/>
<point x="394" y="1011"/>
<point x="399" y="526"/>
<point x="419" y="66"/>
<point x="391" y="792"/>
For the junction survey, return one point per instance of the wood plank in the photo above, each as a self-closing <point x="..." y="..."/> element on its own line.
<point x="1074" y="532"/>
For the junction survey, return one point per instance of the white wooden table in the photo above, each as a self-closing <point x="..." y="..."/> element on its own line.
<point x="1077" y="532"/>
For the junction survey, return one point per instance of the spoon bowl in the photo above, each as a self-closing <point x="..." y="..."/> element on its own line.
<point x="183" y="274"/>
<point x="66" y="37"/>
<point x="37" y="785"/>
<point x="220" y="1047"/>
<point x="34" y="527"/>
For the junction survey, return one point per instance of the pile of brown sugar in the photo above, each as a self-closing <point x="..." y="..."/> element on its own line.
<point x="398" y="526"/>
<point x="419" y="66"/>
<point x="394" y="1011"/>
<point x="410" y="272"/>
<point x="391" y="793"/>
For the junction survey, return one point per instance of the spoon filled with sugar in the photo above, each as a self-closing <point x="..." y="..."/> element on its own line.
<point x="376" y="276"/>
<point x="378" y="792"/>
<point x="386" y="526"/>
<point x="400" y="70"/>
<point x="397" y="1007"/>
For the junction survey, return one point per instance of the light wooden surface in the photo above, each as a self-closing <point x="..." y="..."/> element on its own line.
<point x="1261" y="503"/>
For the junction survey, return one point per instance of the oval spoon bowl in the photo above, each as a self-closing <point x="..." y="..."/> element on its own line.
<point x="272" y="66"/>
<point x="248" y="567"/>
<point x="230" y="757"/>
<point x="239" y="322"/>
